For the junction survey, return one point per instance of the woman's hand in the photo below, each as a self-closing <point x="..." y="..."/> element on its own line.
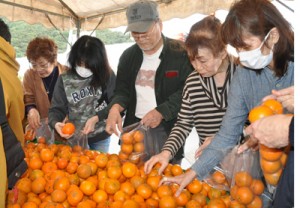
<point x="58" y="127"/>
<point x="33" y="118"/>
<point x="182" y="180"/>
<point x="206" y="142"/>
<point x="163" y="158"/>
<point x="90" y="125"/>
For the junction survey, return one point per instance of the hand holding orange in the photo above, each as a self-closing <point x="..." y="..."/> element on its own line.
<point x="68" y="128"/>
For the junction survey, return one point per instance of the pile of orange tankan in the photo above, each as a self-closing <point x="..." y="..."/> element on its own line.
<point x="60" y="176"/>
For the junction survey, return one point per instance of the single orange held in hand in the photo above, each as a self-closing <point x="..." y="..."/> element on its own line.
<point x="68" y="128"/>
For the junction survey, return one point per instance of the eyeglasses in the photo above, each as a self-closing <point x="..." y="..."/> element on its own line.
<point x="146" y="35"/>
<point x="39" y="67"/>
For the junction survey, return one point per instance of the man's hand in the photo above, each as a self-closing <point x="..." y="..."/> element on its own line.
<point x="152" y="119"/>
<point x="114" y="120"/>
<point x="271" y="131"/>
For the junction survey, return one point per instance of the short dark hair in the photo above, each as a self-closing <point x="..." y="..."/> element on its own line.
<point x="4" y="31"/>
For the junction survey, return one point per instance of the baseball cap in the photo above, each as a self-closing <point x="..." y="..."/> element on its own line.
<point x="141" y="15"/>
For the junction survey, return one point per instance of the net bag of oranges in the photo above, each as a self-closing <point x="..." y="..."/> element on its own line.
<point x="136" y="145"/>
<point x="272" y="160"/>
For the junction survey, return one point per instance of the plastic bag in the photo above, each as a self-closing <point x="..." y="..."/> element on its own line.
<point x="246" y="185"/>
<point x="78" y="141"/>
<point x="221" y="175"/>
<point x="136" y="146"/>
<point x="44" y="134"/>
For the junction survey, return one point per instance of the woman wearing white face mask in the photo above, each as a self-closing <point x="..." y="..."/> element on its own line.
<point x="84" y="91"/>
<point x="256" y="29"/>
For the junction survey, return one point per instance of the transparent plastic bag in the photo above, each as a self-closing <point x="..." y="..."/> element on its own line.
<point x="221" y="175"/>
<point x="135" y="144"/>
<point x="78" y="141"/>
<point x="246" y="185"/>
<point x="43" y="134"/>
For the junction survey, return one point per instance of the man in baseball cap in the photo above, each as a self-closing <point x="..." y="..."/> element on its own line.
<point x="141" y="15"/>
<point x="150" y="79"/>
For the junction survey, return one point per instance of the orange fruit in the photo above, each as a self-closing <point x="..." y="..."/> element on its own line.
<point x="62" y="183"/>
<point x="38" y="185"/>
<point x="257" y="187"/>
<point x="129" y="203"/>
<point x="42" y="139"/>
<point x="101" y="160"/>
<point x="176" y="170"/>
<point x="58" y="196"/>
<point x="256" y="203"/>
<point x="192" y="204"/>
<point x="167" y="202"/>
<point x="29" y="205"/>
<point x="270" y="166"/>
<point x="114" y="172"/>
<point x="129" y="169"/>
<point x="144" y="190"/>
<point x="274" y="105"/>
<point x="68" y="128"/>
<point x="218" y="177"/>
<point x="62" y="163"/>
<point x="74" y="196"/>
<point x="214" y="193"/>
<point x="35" y="163"/>
<point x="87" y="187"/>
<point x="273" y="178"/>
<point x="259" y="112"/>
<point x="99" y="196"/>
<point x="127" y="148"/>
<point x="244" y="195"/>
<point x="24" y="184"/>
<point x="182" y="199"/>
<point x="128" y="188"/>
<point x="195" y="186"/>
<point x="126" y="138"/>
<point x="84" y="171"/>
<point x="151" y="203"/>
<point x="71" y="167"/>
<point x="153" y="181"/>
<point x="243" y="178"/>
<point x="270" y="154"/>
<point x="138" y="136"/>
<point x="139" y="147"/>
<point x="164" y="190"/>
<point x="46" y="155"/>
<point x="199" y="198"/>
<point x="137" y="180"/>
<point x="111" y="186"/>
<point x="216" y="203"/>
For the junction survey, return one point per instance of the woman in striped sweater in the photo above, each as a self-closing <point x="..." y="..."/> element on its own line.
<point x="204" y="98"/>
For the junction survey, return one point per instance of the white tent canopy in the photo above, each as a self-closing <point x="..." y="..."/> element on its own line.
<point x="97" y="14"/>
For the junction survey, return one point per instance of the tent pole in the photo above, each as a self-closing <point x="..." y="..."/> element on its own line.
<point x="78" y="26"/>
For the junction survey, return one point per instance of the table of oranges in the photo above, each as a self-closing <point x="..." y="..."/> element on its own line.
<point x="62" y="176"/>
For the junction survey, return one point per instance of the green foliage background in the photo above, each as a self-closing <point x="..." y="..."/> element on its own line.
<point x="22" y="33"/>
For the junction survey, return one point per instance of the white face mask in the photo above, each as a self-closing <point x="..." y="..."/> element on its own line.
<point x="254" y="59"/>
<point x="83" y="72"/>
